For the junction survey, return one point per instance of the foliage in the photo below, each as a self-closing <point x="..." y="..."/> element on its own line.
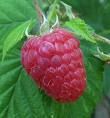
<point x="19" y="95"/>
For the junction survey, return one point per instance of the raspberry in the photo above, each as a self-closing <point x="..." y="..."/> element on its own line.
<point x="55" y="62"/>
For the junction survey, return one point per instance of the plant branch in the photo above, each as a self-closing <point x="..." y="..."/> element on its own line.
<point x="102" y="39"/>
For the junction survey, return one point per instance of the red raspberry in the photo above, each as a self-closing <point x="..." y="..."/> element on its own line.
<point x="55" y="62"/>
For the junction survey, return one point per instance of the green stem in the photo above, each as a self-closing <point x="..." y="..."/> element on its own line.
<point x="102" y="56"/>
<point x="102" y="39"/>
<point x="52" y="10"/>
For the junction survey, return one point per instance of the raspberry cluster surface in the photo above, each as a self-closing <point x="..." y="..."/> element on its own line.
<point x="55" y="62"/>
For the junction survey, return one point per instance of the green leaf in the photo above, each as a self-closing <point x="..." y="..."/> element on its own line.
<point x="94" y="12"/>
<point x="21" y="98"/>
<point x="80" y="28"/>
<point x="12" y="11"/>
<point x="18" y="12"/>
<point x="14" y="37"/>
<point x="16" y="17"/>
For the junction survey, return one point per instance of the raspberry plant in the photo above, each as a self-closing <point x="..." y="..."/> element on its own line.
<point x="20" y="97"/>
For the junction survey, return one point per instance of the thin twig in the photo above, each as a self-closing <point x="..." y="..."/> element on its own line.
<point x="102" y="39"/>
